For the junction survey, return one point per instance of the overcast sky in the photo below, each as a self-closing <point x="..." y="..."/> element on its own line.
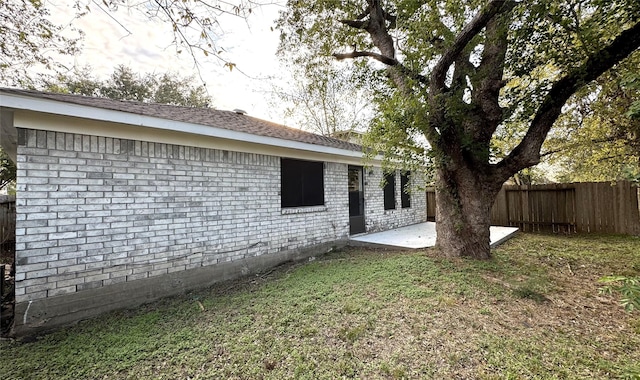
<point x="131" y="39"/>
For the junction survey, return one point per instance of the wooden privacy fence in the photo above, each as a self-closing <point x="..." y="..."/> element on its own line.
<point x="7" y="218"/>
<point x="574" y="207"/>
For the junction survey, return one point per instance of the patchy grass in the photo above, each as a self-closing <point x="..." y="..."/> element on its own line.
<point x="534" y="311"/>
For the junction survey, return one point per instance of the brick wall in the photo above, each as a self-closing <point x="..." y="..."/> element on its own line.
<point x="95" y="211"/>
<point x="379" y="219"/>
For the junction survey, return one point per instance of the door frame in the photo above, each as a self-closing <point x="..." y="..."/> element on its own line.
<point x="356" y="210"/>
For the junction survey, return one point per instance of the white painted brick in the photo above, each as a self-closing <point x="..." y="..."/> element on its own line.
<point x="42" y="273"/>
<point x="21" y="296"/>
<point x="61" y="290"/>
<point x="69" y="252"/>
<point x="70" y="201"/>
<point x="71" y="282"/>
<point x="62" y="194"/>
<point x="63" y="235"/>
<point x="40" y="244"/>
<point x="71" y="214"/>
<point x="41" y="231"/>
<point x="90" y="259"/>
<point x="94" y="222"/>
<point x="90" y="247"/>
<point x="92" y="210"/>
<point x="41" y="216"/>
<point x="74" y="174"/>
<point x="35" y="180"/>
<point x="32" y="282"/>
<point x="96" y="277"/>
<point x="61" y="263"/>
<point x="70" y="228"/>
<point x="124" y="261"/>
<point x="62" y="222"/>
<point x="42" y="259"/>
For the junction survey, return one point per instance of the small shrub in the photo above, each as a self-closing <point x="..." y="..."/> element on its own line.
<point x="628" y="287"/>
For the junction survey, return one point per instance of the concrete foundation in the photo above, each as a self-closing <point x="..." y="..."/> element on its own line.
<point x="41" y="315"/>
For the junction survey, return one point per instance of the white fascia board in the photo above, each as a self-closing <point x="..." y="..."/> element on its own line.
<point x="93" y="113"/>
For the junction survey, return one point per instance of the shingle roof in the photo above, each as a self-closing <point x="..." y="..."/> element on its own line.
<point x="203" y="116"/>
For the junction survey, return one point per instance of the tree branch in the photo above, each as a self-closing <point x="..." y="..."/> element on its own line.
<point x="364" y="13"/>
<point x="437" y="88"/>
<point x="474" y="27"/>
<point x="378" y="57"/>
<point x="376" y="25"/>
<point x="391" y="18"/>
<point x="608" y="139"/>
<point x="358" y="24"/>
<point x="527" y="153"/>
<point x="384" y="59"/>
<point x="491" y="69"/>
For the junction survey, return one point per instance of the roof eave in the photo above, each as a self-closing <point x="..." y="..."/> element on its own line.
<point x="22" y="102"/>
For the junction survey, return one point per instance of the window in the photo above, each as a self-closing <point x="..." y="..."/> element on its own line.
<point x="405" y="194"/>
<point x="389" y="191"/>
<point x="302" y="183"/>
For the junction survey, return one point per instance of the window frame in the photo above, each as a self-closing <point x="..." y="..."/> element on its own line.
<point x="299" y="183"/>
<point x="389" y="190"/>
<point x="405" y="189"/>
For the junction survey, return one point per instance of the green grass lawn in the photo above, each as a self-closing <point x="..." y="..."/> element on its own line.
<point x="534" y="311"/>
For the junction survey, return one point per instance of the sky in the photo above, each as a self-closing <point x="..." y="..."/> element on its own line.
<point x="129" y="38"/>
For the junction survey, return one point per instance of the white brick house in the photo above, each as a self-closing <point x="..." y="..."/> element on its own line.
<point x="119" y="203"/>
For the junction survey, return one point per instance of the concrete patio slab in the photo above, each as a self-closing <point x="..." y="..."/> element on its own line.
<point x="422" y="235"/>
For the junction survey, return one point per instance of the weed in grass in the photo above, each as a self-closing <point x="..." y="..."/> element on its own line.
<point x="352" y="333"/>
<point x="398" y="373"/>
<point x="446" y="300"/>
<point x="385" y="368"/>
<point x="347" y="368"/>
<point x="351" y="308"/>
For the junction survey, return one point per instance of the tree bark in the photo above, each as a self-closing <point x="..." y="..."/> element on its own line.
<point x="464" y="198"/>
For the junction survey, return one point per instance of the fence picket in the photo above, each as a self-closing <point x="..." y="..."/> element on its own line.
<point x="7" y="218"/>
<point x="574" y="207"/>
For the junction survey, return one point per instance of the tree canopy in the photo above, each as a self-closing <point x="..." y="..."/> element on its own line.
<point x="32" y="42"/>
<point x="124" y="84"/>
<point x="29" y="39"/>
<point x="323" y="99"/>
<point x="598" y="137"/>
<point x="196" y="24"/>
<point x="460" y="74"/>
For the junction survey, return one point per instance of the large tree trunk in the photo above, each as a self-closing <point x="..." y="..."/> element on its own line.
<point x="463" y="212"/>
